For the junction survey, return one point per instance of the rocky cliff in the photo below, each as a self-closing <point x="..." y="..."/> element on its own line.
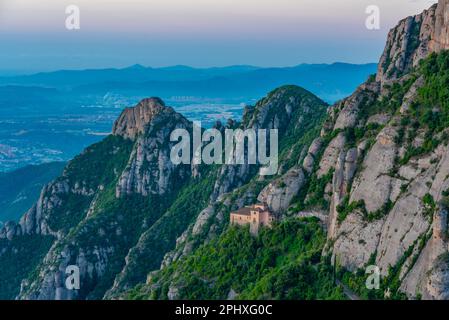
<point x="390" y="182"/>
<point x="413" y="39"/>
<point x="106" y="197"/>
<point x="133" y="121"/>
<point x="122" y="205"/>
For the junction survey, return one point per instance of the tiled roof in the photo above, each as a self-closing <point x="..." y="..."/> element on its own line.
<point x="245" y="211"/>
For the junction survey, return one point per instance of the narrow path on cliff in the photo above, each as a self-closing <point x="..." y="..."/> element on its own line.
<point x="348" y="292"/>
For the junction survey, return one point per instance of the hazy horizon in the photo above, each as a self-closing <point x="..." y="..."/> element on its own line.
<point x="198" y="33"/>
<point x="8" y="73"/>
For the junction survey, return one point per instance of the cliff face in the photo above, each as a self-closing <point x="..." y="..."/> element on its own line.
<point x="96" y="211"/>
<point x="413" y="39"/>
<point x="384" y="200"/>
<point x="388" y="205"/>
<point x="149" y="169"/>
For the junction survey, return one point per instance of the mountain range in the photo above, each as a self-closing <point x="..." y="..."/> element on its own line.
<point x="40" y="112"/>
<point x="236" y="82"/>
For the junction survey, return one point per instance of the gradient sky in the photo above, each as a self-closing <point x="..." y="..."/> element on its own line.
<point x="199" y="33"/>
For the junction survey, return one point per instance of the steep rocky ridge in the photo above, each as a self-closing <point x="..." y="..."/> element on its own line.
<point x="388" y="199"/>
<point x="104" y="200"/>
<point x="119" y="207"/>
<point x="133" y="121"/>
<point x="413" y="39"/>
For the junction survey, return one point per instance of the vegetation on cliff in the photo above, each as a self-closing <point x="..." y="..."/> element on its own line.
<point x="283" y="262"/>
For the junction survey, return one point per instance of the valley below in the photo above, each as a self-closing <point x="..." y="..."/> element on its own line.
<point x="53" y="116"/>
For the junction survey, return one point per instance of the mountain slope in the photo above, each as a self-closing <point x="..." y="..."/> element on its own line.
<point x="19" y="189"/>
<point x="377" y="176"/>
<point x="119" y="207"/>
<point x="281" y="263"/>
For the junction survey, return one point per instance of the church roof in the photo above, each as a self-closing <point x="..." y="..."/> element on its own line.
<point x="246" y="211"/>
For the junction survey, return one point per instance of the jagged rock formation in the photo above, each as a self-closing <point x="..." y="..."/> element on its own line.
<point x="10" y="230"/>
<point x="149" y="170"/>
<point x="119" y="207"/>
<point x="133" y="121"/>
<point x="383" y="199"/>
<point x="414" y="39"/>
<point x="97" y="209"/>
<point x="280" y="193"/>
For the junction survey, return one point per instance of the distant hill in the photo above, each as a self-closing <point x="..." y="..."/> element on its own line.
<point x="135" y="73"/>
<point x="20" y="189"/>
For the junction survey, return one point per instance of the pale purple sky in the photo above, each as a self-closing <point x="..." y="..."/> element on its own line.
<point x="199" y="33"/>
